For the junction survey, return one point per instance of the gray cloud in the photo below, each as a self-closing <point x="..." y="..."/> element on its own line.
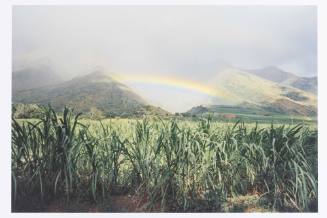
<point x="166" y="39"/>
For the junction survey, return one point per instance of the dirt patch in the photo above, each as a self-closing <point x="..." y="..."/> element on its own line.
<point x="133" y="203"/>
<point x="123" y="203"/>
<point x="116" y="203"/>
<point x="72" y="206"/>
<point x="247" y="204"/>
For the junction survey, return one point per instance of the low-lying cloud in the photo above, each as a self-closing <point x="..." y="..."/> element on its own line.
<point x="181" y="40"/>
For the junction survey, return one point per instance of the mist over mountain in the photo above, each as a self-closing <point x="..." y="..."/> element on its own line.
<point x="190" y="53"/>
<point x="166" y="40"/>
<point x="264" y="91"/>
<point x="309" y="84"/>
<point x="95" y="90"/>
<point x="269" y="89"/>
<point x="286" y="78"/>
<point x="34" y="77"/>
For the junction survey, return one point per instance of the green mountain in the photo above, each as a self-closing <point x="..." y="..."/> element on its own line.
<point x="93" y="92"/>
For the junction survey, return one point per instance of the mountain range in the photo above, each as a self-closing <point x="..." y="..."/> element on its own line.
<point x="267" y="90"/>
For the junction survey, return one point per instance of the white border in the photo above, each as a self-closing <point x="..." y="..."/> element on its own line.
<point x="5" y="99"/>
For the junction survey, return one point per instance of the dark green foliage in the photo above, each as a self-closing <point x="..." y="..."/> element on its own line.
<point x="24" y="111"/>
<point x="249" y="113"/>
<point x="295" y="96"/>
<point x="167" y="165"/>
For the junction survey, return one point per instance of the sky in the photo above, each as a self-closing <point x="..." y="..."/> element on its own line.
<point x="189" y="42"/>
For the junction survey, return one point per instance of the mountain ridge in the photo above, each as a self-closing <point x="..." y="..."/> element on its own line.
<point x="238" y="87"/>
<point x="282" y="77"/>
<point x="232" y="86"/>
<point x="95" y="90"/>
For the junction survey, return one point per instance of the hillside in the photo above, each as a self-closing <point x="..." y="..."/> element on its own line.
<point x="308" y="84"/>
<point x="237" y="87"/>
<point x="98" y="92"/>
<point x="279" y="76"/>
<point x="34" y="77"/>
<point x="95" y="90"/>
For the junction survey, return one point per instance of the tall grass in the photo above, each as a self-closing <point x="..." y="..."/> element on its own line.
<point x="168" y="165"/>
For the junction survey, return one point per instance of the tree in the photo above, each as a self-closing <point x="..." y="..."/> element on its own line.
<point x="96" y="114"/>
<point x="24" y="111"/>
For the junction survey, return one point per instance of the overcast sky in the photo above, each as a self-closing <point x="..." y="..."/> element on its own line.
<point x="166" y="39"/>
<point x="190" y="42"/>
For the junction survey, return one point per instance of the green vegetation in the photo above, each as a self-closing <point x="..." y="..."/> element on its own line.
<point x="21" y="111"/>
<point x="165" y="164"/>
<point x="295" y="96"/>
<point x="225" y="113"/>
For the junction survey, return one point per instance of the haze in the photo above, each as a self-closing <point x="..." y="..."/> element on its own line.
<point x="190" y="42"/>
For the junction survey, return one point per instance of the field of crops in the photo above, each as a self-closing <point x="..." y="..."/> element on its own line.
<point x="163" y="165"/>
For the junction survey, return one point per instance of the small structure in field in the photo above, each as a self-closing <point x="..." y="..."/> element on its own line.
<point x="229" y="116"/>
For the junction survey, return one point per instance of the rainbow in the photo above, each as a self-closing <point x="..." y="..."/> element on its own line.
<point x="173" y="82"/>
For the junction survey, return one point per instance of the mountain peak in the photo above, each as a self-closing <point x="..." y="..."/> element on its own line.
<point x="274" y="74"/>
<point x="282" y="77"/>
<point x="94" y="90"/>
<point x="95" y="76"/>
<point x="273" y="68"/>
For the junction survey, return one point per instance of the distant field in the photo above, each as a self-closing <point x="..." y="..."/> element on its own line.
<point x="249" y="115"/>
<point x="277" y="119"/>
<point x="217" y="120"/>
